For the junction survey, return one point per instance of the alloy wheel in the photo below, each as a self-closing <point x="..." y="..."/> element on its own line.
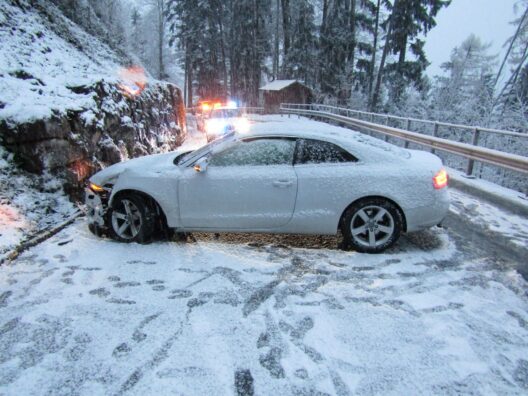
<point x="126" y="220"/>
<point x="372" y="226"/>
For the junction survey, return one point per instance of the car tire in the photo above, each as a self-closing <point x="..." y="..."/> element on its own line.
<point x="371" y="225"/>
<point x="131" y="219"/>
<point x="95" y="229"/>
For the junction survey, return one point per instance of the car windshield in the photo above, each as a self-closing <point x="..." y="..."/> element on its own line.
<point x="203" y="150"/>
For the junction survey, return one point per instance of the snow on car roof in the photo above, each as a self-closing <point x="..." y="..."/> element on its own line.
<point x="303" y="127"/>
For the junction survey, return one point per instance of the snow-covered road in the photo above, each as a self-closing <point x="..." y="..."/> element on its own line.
<point x="244" y="314"/>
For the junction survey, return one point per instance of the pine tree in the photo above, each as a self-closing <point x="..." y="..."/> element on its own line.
<point x="159" y="10"/>
<point x="465" y="95"/>
<point x="195" y="26"/>
<point x="334" y="45"/>
<point x="225" y="45"/>
<point x="347" y="44"/>
<point x="300" y="62"/>
<point x="376" y="9"/>
<point x="366" y="42"/>
<point x="250" y="44"/>
<point x="408" y="19"/>
<point x="516" y="56"/>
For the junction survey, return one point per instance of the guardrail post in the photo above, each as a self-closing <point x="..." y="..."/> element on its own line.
<point x="435" y="133"/>
<point x="387" y="123"/>
<point x="471" y="162"/>
<point x="408" y="128"/>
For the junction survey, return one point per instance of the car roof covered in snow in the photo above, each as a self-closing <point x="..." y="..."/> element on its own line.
<point x="356" y="142"/>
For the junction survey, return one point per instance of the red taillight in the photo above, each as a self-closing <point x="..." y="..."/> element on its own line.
<point x="440" y="179"/>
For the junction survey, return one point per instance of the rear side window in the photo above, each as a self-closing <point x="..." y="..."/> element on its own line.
<point x="318" y="152"/>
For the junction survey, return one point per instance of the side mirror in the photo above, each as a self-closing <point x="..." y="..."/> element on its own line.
<point x="201" y="165"/>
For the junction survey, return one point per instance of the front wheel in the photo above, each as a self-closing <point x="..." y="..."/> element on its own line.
<point x="131" y="219"/>
<point x="372" y="225"/>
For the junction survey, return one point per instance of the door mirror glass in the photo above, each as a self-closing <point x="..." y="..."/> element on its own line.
<point x="201" y="165"/>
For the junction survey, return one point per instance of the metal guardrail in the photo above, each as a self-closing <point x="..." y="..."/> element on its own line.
<point x="253" y="110"/>
<point x="470" y="151"/>
<point x="418" y="120"/>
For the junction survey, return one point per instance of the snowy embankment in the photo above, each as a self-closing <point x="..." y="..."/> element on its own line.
<point x="31" y="204"/>
<point x="69" y="104"/>
<point x="43" y="57"/>
<point x="64" y="115"/>
<point x="28" y="204"/>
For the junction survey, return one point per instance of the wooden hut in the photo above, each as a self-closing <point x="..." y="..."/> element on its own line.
<point x="283" y="91"/>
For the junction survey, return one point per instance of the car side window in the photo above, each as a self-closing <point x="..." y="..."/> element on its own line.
<point x="317" y="151"/>
<point x="252" y="152"/>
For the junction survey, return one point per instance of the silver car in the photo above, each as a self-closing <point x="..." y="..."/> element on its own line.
<point x="316" y="180"/>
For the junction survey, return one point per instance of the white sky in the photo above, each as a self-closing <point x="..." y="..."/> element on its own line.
<point x="487" y="19"/>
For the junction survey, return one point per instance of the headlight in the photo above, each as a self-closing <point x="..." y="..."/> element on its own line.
<point x="96" y="188"/>
<point x="101" y="190"/>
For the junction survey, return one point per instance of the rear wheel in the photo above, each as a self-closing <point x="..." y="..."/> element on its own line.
<point x="372" y="225"/>
<point x="131" y="219"/>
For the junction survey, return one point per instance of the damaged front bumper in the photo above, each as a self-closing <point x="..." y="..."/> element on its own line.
<point x="96" y="210"/>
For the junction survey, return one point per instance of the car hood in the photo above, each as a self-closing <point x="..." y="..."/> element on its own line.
<point x="148" y="164"/>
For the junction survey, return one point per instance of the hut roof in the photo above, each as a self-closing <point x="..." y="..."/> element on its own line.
<point x="278" y="85"/>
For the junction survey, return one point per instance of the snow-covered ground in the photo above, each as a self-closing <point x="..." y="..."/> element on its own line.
<point x="28" y="203"/>
<point x="488" y="216"/>
<point x="82" y="315"/>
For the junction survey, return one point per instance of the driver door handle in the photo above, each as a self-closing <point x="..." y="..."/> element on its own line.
<point x="282" y="183"/>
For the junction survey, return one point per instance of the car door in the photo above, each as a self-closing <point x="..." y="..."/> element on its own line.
<point x="328" y="179"/>
<point x="250" y="185"/>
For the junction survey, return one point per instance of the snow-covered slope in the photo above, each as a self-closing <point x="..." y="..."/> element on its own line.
<point x="63" y="108"/>
<point x="63" y="115"/>
<point x="43" y="58"/>
<point x="28" y="204"/>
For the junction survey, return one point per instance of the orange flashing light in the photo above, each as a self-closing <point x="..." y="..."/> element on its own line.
<point x="441" y="179"/>
<point x="96" y="188"/>
<point x="133" y="81"/>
